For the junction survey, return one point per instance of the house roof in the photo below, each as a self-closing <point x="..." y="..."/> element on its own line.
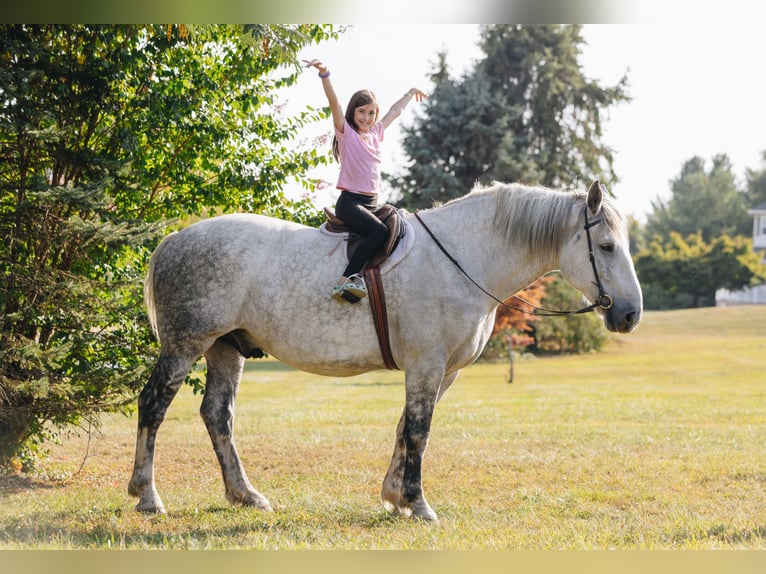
<point x="757" y="209"/>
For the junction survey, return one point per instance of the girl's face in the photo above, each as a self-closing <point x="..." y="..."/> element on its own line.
<point x="365" y="116"/>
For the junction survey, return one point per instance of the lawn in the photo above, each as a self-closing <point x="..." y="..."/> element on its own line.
<point x="656" y="443"/>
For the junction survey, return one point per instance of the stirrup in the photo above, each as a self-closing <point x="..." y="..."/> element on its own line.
<point x="351" y="290"/>
<point x="355" y="285"/>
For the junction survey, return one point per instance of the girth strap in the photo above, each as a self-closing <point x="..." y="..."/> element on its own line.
<point x="379" y="315"/>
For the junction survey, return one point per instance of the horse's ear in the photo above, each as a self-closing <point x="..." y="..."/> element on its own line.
<point x="594" y="196"/>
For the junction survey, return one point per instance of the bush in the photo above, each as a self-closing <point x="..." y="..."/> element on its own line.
<point x="568" y="334"/>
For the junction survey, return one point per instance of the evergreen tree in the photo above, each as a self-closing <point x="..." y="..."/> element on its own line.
<point x="702" y="201"/>
<point x="454" y="145"/>
<point x="105" y="133"/>
<point x="526" y="113"/>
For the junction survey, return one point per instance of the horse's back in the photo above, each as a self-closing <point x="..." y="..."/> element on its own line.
<point x="268" y="280"/>
<point x="219" y="242"/>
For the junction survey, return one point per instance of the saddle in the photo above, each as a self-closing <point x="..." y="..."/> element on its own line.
<point x="389" y="215"/>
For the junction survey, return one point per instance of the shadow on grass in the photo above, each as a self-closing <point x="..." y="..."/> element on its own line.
<point x="234" y="528"/>
<point x="15" y="483"/>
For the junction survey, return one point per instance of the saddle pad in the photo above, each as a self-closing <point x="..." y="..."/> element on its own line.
<point x="402" y="250"/>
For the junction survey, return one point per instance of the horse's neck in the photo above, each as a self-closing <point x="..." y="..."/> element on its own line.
<point x="501" y="268"/>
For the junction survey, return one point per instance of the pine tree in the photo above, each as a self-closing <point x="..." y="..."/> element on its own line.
<point x="526" y="114"/>
<point x="704" y="201"/>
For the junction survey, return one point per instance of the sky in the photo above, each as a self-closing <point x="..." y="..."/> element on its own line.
<point x="696" y="89"/>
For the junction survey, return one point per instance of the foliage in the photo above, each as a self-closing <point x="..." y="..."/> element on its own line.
<point x="106" y="132"/>
<point x="526" y="111"/>
<point x="702" y="201"/>
<point x="687" y="271"/>
<point x="519" y="322"/>
<point x="582" y="333"/>
<point x="755" y="190"/>
<point x="513" y="328"/>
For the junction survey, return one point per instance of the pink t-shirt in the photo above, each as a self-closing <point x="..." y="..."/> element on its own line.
<point x="360" y="158"/>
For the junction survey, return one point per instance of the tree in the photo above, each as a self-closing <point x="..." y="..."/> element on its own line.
<point x="106" y="132"/>
<point x="516" y="324"/>
<point x="454" y="145"/>
<point x="582" y="333"/>
<point x="687" y="271"/>
<point x="702" y="201"/>
<point x="526" y="113"/>
<point x="755" y="191"/>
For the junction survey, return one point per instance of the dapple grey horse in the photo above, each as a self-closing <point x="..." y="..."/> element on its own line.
<point x="236" y="286"/>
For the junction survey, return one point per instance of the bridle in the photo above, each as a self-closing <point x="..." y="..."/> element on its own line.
<point x="604" y="300"/>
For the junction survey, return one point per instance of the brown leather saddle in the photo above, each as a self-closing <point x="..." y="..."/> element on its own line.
<point x="389" y="215"/>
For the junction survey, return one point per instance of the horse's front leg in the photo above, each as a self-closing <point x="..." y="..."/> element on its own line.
<point x="224" y="371"/>
<point x="402" y="491"/>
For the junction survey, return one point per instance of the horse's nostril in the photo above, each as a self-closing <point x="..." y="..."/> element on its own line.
<point x="631" y="319"/>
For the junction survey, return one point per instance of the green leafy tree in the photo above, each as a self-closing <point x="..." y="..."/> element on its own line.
<point x="526" y="113"/>
<point x="755" y="191"/>
<point x="687" y="271"/>
<point x="572" y="333"/>
<point x="106" y="132"/>
<point x="702" y="201"/>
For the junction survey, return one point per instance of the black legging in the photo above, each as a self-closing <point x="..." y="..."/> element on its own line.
<point x="355" y="210"/>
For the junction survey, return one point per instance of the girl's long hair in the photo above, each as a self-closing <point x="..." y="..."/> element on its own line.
<point x="359" y="99"/>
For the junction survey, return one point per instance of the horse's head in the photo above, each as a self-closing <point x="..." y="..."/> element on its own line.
<point x="596" y="260"/>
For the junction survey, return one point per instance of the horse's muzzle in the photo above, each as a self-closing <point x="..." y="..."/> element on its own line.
<point x="622" y="318"/>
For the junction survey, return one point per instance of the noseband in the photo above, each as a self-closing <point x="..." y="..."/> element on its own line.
<point x="604" y="301"/>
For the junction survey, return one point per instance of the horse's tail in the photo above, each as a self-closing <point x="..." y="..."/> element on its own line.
<point x="149" y="287"/>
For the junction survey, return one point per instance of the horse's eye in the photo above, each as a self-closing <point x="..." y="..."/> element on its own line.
<point x="608" y="247"/>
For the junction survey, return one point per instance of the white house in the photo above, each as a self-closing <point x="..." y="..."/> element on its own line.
<point x="757" y="294"/>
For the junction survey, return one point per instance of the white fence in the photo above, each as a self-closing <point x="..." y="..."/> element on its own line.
<point x="747" y="296"/>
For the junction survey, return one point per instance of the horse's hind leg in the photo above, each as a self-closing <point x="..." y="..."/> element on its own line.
<point x="153" y="402"/>
<point x="224" y="371"/>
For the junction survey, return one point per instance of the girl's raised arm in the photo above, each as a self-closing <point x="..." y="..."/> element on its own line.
<point x="400" y="104"/>
<point x="338" y="118"/>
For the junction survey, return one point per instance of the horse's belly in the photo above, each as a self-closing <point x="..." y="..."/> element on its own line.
<point x="327" y="365"/>
<point x="315" y="340"/>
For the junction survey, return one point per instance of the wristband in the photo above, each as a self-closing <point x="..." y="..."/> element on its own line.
<point x="325" y="75"/>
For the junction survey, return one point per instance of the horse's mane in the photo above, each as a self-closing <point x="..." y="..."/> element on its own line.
<point x="538" y="216"/>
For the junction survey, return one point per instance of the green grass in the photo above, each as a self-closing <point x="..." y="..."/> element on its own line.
<point x="658" y="442"/>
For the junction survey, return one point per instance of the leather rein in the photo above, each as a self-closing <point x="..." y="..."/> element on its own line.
<point x="604" y="301"/>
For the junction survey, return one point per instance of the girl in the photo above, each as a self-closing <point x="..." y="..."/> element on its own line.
<point x="356" y="146"/>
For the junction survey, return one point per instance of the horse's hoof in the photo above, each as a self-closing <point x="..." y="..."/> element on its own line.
<point x="254" y="499"/>
<point x="150" y="508"/>
<point x="422" y="511"/>
<point x="389" y="506"/>
<point x="428" y="515"/>
<point x="262" y="504"/>
<point x="390" y="499"/>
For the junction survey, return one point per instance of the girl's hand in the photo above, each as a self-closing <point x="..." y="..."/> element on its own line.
<point x="419" y="94"/>
<point x="316" y="64"/>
